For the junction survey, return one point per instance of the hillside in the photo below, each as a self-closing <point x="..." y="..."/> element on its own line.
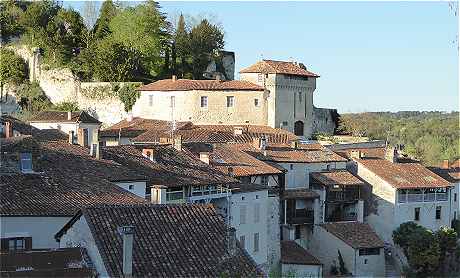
<point x="428" y="136"/>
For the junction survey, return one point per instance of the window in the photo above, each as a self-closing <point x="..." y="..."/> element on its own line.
<point x="173" y="102"/>
<point x="242" y="241"/>
<point x="438" y="212"/>
<point x="17" y="244"/>
<point x="150" y="100"/>
<point x="291" y="166"/>
<point x="417" y="214"/>
<point x="300" y="96"/>
<point x="284" y="123"/>
<point x="365" y="261"/>
<point x="369" y="251"/>
<point x="297" y="232"/>
<point x="256" y="242"/>
<point x="131" y="186"/>
<point x="264" y="180"/>
<point x="26" y="162"/>
<point x="204" y="102"/>
<point x="230" y="101"/>
<point x="259" y="77"/>
<point x="242" y="214"/>
<point x="174" y="193"/>
<point x="455" y="197"/>
<point x="256" y="102"/>
<point x="256" y="213"/>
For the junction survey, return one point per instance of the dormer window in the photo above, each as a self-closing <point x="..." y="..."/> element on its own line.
<point x="26" y="162"/>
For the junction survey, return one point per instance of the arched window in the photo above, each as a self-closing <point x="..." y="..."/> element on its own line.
<point x="298" y="128"/>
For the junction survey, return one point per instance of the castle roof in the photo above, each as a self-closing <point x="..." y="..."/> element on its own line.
<point x="280" y="67"/>
<point x="205" y="85"/>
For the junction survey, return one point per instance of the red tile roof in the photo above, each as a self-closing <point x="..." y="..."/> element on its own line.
<point x="138" y="126"/>
<point x="338" y="177"/>
<point x="62" y="117"/>
<point x="207" y="85"/>
<point x="403" y="175"/>
<point x="270" y="66"/>
<point x="292" y="253"/>
<point x="169" y="241"/>
<point x="65" y="262"/>
<point x="356" y="234"/>
<point x="378" y="152"/>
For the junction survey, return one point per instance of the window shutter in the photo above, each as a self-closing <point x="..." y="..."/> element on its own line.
<point x="256" y="213"/>
<point x="242" y="214"/>
<point x="28" y="241"/>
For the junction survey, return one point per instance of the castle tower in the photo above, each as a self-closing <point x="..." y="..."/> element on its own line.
<point x="289" y="94"/>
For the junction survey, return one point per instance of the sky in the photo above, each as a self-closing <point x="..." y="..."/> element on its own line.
<point x="371" y="56"/>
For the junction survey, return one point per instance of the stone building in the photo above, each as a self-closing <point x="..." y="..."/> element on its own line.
<point x="271" y="93"/>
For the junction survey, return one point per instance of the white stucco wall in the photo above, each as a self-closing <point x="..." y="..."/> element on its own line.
<point x="139" y="187"/>
<point x="273" y="231"/>
<point x="249" y="200"/>
<point x="325" y="247"/>
<point x="299" y="176"/>
<point x="187" y="107"/>
<point x="79" y="235"/>
<point x="299" y="270"/>
<point x="41" y="229"/>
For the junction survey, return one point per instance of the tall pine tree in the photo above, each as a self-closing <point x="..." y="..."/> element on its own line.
<point x="182" y="45"/>
<point x="108" y="11"/>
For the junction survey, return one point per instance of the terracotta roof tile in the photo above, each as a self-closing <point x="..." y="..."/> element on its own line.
<point x="339" y="177"/>
<point x="356" y="234"/>
<point x="365" y="152"/>
<point x="292" y="253"/>
<point x="207" y="85"/>
<point x="403" y="175"/>
<point x="61" y="117"/>
<point x="270" y="66"/>
<point x="169" y="241"/>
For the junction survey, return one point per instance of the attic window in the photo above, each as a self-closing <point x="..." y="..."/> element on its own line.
<point x="26" y="162"/>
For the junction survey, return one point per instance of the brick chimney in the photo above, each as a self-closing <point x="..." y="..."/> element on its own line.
<point x="256" y="143"/>
<point x="391" y="154"/>
<point x="127" y="235"/>
<point x="8" y="130"/>
<point x="71" y="136"/>
<point x="356" y="154"/>
<point x="294" y="144"/>
<point x="445" y="164"/>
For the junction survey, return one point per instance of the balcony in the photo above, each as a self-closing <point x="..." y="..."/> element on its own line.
<point x="300" y="216"/>
<point x="207" y="192"/>
<point x="430" y="195"/>
<point x="342" y="196"/>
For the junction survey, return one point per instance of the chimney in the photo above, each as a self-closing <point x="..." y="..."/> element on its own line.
<point x="178" y="142"/>
<point x="445" y="164"/>
<point x="174" y="78"/>
<point x="391" y="154"/>
<point x="8" y="130"/>
<point x="127" y="235"/>
<point x="129" y="117"/>
<point x="71" y="137"/>
<point x="257" y="143"/>
<point x="355" y="154"/>
<point x="231" y="241"/>
<point x="218" y="77"/>
<point x="230" y="172"/>
<point x="148" y="153"/>
<point x="69" y="115"/>
<point x="294" y="144"/>
<point x="204" y="156"/>
<point x="237" y="130"/>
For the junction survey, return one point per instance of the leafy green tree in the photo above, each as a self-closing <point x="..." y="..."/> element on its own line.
<point x="404" y="234"/>
<point x="67" y="106"/>
<point x="10" y="14"/>
<point x="142" y="29"/>
<point x="205" y="39"/>
<point x="13" y="69"/>
<point x="32" y="98"/>
<point x="424" y="253"/>
<point x="447" y="238"/>
<point x="108" y="11"/>
<point x="128" y="95"/>
<point x="66" y="33"/>
<point x="182" y="44"/>
<point x="113" y="62"/>
<point x="35" y="19"/>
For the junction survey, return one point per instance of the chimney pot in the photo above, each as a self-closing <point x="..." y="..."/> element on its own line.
<point x="445" y="164"/>
<point x="230" y="172"/>
<point x="218" y="77"/>
<point x="174" y="78"/>
<point x="178" y="142"/>
<point x="391" y="154"/>
<point x="69" y="115"/>
<point x="356" y="154"/>
<point x="127" y="234"/>
<point x="204" y="156"/>
<point x="71" y="136"/>
<point x="8" y="130"/>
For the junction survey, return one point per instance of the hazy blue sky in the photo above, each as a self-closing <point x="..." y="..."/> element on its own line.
<point x="384" y="56"/>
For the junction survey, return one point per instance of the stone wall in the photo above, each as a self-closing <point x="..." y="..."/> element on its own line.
<point x="61" y="85"/>
<point x="325" y="120"/>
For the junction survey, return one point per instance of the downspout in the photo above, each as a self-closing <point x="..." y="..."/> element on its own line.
<point x="354" y="270"/>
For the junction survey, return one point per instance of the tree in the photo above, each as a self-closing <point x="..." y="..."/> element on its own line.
<point x="32" y="98"/>
<point x="12" y="69"/>
<point x="128" y="95"/>
<point x="108" y="11"/>
<point x="66" y="106"/>
<point x="205" y="39"/>
<point x="113" y="62"/>
<point x="182" y="44"/>
<point x="424" y="252"/>
<point x="144" y="30"/>
<point x="10" y="14"/>
<point x="404" y="233"/>
<point x="35" y="19"/>
<point x="447" y="238"/>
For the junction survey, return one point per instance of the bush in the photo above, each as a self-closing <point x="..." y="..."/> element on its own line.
<point x="404" y="233"/>
<point x="32" y="98"/>
<point x="128" y="95"/>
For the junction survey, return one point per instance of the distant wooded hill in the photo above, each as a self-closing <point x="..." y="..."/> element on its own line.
<point x="428" y="136"/>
